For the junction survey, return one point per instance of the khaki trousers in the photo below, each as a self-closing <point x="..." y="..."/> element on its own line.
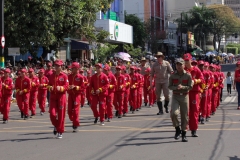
<point x="180" y="106"/>
<point x="162" y="87"/>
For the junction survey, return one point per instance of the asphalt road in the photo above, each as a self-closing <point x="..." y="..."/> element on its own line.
<point x="139" y="136"/>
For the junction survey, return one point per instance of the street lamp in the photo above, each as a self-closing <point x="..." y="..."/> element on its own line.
<point x="2" y="34"/>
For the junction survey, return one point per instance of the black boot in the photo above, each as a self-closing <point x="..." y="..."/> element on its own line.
<point x="160" y="108"/>
<point x="202" y="120"/>
<point x="166" y="106"/>
<point x="145" y="104"/>
<point x="178" y="132"/>
<point x="184" y="138"/>
<point x="116" y="113"/>
<point x="22" y="115"/>
<point x="95" y="121"/>
<point x="194" y="133"/>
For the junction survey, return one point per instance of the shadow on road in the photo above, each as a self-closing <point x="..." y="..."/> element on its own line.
<point x="143" y="144"/>
<point x="24" y="140"/>
<point x="234" y="158"/>
<point x="150" y="138"/>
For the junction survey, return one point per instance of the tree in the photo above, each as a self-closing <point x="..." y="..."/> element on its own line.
<point x="131" y="50"/>
<point x="139" y="31"/>
<point x="102" y="51"/>
<point x="34" y="23"/>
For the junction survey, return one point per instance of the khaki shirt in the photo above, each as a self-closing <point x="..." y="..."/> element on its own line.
<point x="143" y="68"/>
<point x="184" y="79"/>
<point x="161" y="71"/>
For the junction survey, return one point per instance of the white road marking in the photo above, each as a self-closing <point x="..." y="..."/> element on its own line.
<point x="230" y="99"/>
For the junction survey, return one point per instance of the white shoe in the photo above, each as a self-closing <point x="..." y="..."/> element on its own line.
<point x="102" y="124"/>
<point x="59" y="135"/>
<point x="41" y="113"/>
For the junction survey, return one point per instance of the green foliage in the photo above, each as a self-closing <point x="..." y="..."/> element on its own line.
<point x="229" y="45"/>
<point x="134" y="52"/>
<point x="33" y="23"/>
<point x="139" y="30"/>
<point x="233" y="50"/>
<point x="102" y="51"/>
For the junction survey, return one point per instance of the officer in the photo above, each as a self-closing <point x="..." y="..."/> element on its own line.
<point x="161" y="69"/>
<point x="180" y="82"/>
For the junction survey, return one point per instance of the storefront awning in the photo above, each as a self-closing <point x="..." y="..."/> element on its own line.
<point x="79" y="45"/>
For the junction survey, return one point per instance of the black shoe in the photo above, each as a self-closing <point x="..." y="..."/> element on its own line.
<point x="140" y="108"/>
<point x="81" y="106"/>
<point x="160" y="108"/>
<point x="22" y="115"/>
<point x="194" y="134"/>
<point x="131" y="108"/>
<point x="207" y="119"/>
<point x="166" y="106"/>
<point x="202" y="120"/>
<point x="106" y="116"/>
<point x="75" y="129"/>
<point x="119" y="116"/>
<point x="133" y="112"/>
<point x="124" y="114"/>
<point x="55" y="131"/>
<point x="213" y="113"/>
<point x="88" y="103"/>
<point x="5" y="121"/>
<point x="116" y="113"/>
<point x="95" y="121"/>
<point x="32" y="115"/>
<point x="145" y="104"/>
<point x="25" y="117"/>
<point x="199" y="118"/>
<point x="184" y="138"/>
<point x="137" y="110"/>
<point x="178" y="132"/>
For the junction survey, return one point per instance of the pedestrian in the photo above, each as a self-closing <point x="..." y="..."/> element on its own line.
<point x="127" y="90"/>
<point x="76" y="82"/>
<point x="42" y="91"/>
<point x="236" y="84"/>
<point x="23" y="86"/>
<point x="180" y="82"/>
<point x="88" y="94"/>
<point x="133" y="89"/>
<point x="48" y="73"/>
<point x="143" y="66"/>
<point x="6" y="92"/>
<point x="140" y="88"/>
<point x="84" y="88"/>
<point x="215" y="89"/>
<point x="58" y="85"/>
<point x="161" y="69"/>
<point x="194" y="93"/>
<point x="99" y="89"/>
<point x="111" y="90"/>
<point x="119" y="91"/>
<point x="33" y="92"/>
<point x="229" y="83"/>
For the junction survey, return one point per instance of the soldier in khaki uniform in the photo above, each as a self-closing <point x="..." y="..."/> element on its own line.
<point x="143" y="66"/>
<point x="180" y="82"/>
<point x="160" y="71"/>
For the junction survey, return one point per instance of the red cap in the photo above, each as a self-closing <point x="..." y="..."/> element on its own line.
<point x="187" y="57"/>
<point x="7" y="70"/>
<point x="123" y="68"/>
<point x="106" y="67"/>
<point x="194" y="62"/>
<point x="132" y="67"/>
<point x="98" y="65"/>
<point x="58" y="62"/>
<point x="206" y="64"/>
<point x="30" y="70"/>
<point x="212" y="65"/>
<point x="148" y="70"/>
<point x="41" y="71"/>
<point x="75" y="65"/>
<point x="119" y="67"/>
<point x="200" y="62"/>
<point x="23" y="70"/>
<point x="49" y="64"/>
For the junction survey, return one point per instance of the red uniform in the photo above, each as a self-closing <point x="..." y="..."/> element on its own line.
<point x="140" y="90"/>
<point x="23" y="85"/>
<point x="6" y="96"/>
<point x="204" y="99"/>
<point x="215" y="93"/>
<point x="83" y="90"/>
<point x="42" y="92"/>
<point x="148" y="91"/>
<point x="194" y="98"/>
<point x="58" y="85"/>
<point x="110" y="96"/>
<point x="88" y="94"/>
<point x="33" y="94"/>
<point x="74" y="97"/>
<point x="119" y="93"/>
<point x="209" y="99"/>
<point x="99" y="82"/>
<point x="48" y="73"/>
<point x="126" y="93"/>
<point x="133" y="91"/>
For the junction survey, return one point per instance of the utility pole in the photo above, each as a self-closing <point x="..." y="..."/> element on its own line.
<point x="2" y="34"/>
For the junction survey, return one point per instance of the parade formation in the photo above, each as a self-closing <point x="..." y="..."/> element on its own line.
<point x="196" y="92"/>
